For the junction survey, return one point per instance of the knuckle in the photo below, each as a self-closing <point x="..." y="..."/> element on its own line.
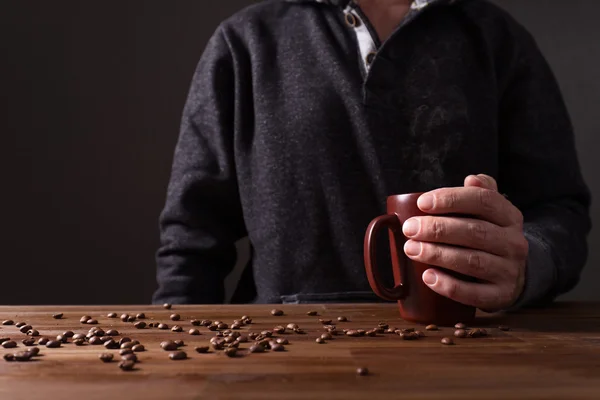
<point x="474" y="261"/>
<point x="452" y="290"/>
<point x="486" y="199"/>
<point x="477" y="231"/>
<point x="437" y="229"/>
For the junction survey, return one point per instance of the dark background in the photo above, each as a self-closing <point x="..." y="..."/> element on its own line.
<point x="90" y="96"/>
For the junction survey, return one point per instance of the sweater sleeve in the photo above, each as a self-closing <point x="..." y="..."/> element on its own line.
<point x="202" y="217"/>
<point x="540" y="173"/>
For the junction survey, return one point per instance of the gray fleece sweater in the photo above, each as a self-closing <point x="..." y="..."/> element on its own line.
<point x="286" y="138"/>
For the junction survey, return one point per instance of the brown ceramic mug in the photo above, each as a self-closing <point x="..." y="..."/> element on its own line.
<point x="417" y="302"/>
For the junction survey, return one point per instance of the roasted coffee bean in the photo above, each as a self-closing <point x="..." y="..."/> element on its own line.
<point x="362" y="371"/>
<point x="431" y="327"/>
<point x="408" y="335"/>
<point x="22" y="356"/>
<point x="483" y="332"/>
<point x="460" y="333"/>
<point x="125" y="351"/>
<point x="299" y="331"/>
<point x="131" y="318"/>
<point x="371" y="333"/>
<point x="178" y="342"/>
<point x="167" y="306"/>
<point x="4" y="339"/>
<point x="277" y="347"/>
<point x="9" y="344"/>
<point x="95" y="340"/>
<point x="218" y="345"/>
<point x="112" y="332"/>
<point x="267" y="333"/>
<point x="247" y="321"/>
<point x="352" y="333"/>
<point x="127" y="365"/>
<point x="504" y="328"/>
<point x="291" y="327"/>
<point x="420" y="333"/>
<point x="91" y="321"/>
<point x="34" y="351"/>
<point x="379" y="330"/>
<point x="201" y="349"/>
<point x="256" y="348"/>
<point x="106" y="357"/>
<point x="460" y="325"/>
<point x="124" y="317"/>
<point x="105" y="339"/>
<point x="252" y="335"/>
<point x="206" y="322"/>
<point x="219" y="334"/>
<point x="68" y="334"/>
<point x="129" y="357"/>
<point x="407" y="330"/>
<point x="28" y="341"/>
<point x="390" y="330"/>
<point x="78" y="342"/>
<point x="195" y="322"/>
<point x="282" y="341"/>
<point x="242" y="339"/>
<point x="169" y="345"/>
<point x="342" y="319"/>
<point x="230" y="352"/>
<point x="53" y="344"/>
<point x="474" y="333"/>
<point x="8" y="322"/>
<point x="25" y="328"/>
<point x="163" y="326"/>
<point x="127" y="345"/>
<point x="320" y="340"/>
<point x="235" y="344"/>
<point x="57" y="316"/>
<point x="141" y="315"/>
<point x="78" y="336"/>
<point x="140" y="325"/>
<point x="312" y="313"/>
<point x="326" y="336"/>
<point x="279" y="330"/>
<point x="85" y="319"/>
<point x="33" y="332"/>
<point x="361" y="332"/>
<point x="222" y="325"/>
<point x="111" y="315"/>
<point x="235" y="326"/>
<point x="175" y="317"/>
<point x="177" y="328"/>
<point x="20" y="324"/>
<point x="43" y="341"/>
<point x="9" y="357"/>
<point x="447" y="341"/>
<point x="98" y="332"/>
<point x="90" y="335"/>
<point x="213" y="327"/>
<point x="111" y="344"/>
<point x="235" y="334"/>
<point x="383" y="325"/>
<point x="124" y="339"/>
<point x="178" y="355"/>
<point x="229" y="339"/>
<point x="276" y="312"/>
<point x="194" y="332"/>
<point x="325" y="321"/>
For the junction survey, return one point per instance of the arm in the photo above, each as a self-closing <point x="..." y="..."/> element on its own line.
<point x="540" y="173"/>
<point x="202" y="217"/>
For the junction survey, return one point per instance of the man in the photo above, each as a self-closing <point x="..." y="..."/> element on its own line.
<point x="304" y="115"/>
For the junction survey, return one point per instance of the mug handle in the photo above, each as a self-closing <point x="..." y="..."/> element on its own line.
<point x="393" y="223"/>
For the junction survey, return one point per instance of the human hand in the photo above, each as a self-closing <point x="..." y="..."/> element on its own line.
<point x="487" y="243"/>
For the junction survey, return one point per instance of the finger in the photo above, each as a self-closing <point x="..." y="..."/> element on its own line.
<point x="466" y="232"/>
<point x="486" y="204"/>
<point x="481" y="295"/>
<point x="475" y="263"/>
<point x="482" y="181"/>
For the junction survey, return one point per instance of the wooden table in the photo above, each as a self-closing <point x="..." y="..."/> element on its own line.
<point x="550" y="354"/>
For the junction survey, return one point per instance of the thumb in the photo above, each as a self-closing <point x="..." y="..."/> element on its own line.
<point x="482" y="181"/>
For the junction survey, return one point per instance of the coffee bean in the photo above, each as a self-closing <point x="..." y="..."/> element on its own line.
<point x="131" y="318"/>
<point x="124" y="339"/>
<point x="218" y="346"/>
<point x="213" y="327"/>
<point x="483" y="332"/>
<point x="320" y="340"/>
<point x="8" y="322"/>
<point x="407" y="330"/>
<point x="474" y="333"/>
<point x="92" y="321"/>
<point x="325" y="321"/>
<point x="267" y="333"/>
<point x="256" y="348"/>
<point x="235" y="344"/>
<point x="383" y="325"/>
<point x="106" y="357"/>
<point x="111" y="315"/>
<point x="129" y="357"/>
<point x="230" y="352"/>
<point x="379" y="330"/>
<point x="127" y="365"/>
<point x="201" y="349"/>
<point x="276" y="312"/>
<point x="342" y="319"/>
<point x="126" y="345"/>
<point x="222" y="325"/>
<point x="372" y="333"/>
<point x="20" y="324"/>
<point x="169" y="345"/>
<point x="68" y="334"/>
<point x="408" y="335"/>
<point x="460" y="333"/>
<point x="352" y="333"/>
<point x="84" y="319"/>
<point x="28" y="341"/>
<point x="279" y="330"/>
<point x="22" y="356"/>
<point x="163" y="326"/>
<point x="57" y="316"/>
<point x="43" y="341"/>
<point x="206" y="322"/>
<point x="195" y="322"/>
<point x="95" y="340"/>
<point x="124" y="317"/>
<point x="282" y="341"/>
<point x="167" y="306"/>
<point x="242" y="339"/>
<point x="78" y="342"/>
<point x="277" y="347"/>
<point x="229" y="339"/>
<point x="9" y="344"/>
<point x="77" y="336"/>
<point x="111" y="344"/>
<point x="460" y="325"/>
<point x="141" y="315"/>
<point x="252" y="335"/>
<point x="177" y="328"/>
<point x="33" y="332"/>
<point x="390" y="330"/>
<point x="178" y="355"/>
<point x="53" y="344"/>
<point x="219" y="334"/>
<point x="501" y="327"/>
<point x="98" y="332"/>
<point x="25" y="328"/>
<point x="178" y="342"/>
<point x="299" y="331"/>
<point x="140" y="325"/>
<point x="236" y="326"/>
<point x="420" y="333"/>
<point x="447" y="341"/>
<point x="125" y="351"/>
<point x="431" y="327"/>
<point x="62" y="338"/>
<point x="326" y="336"/>
<point x="34" y="351"/>
<point x="362" y="371"/>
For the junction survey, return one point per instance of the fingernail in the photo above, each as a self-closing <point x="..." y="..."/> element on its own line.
<point x="429" y="277"/>
<point x="411" y="227"/>
<point x="425" y="202"/>
<point x="412" y="248"/>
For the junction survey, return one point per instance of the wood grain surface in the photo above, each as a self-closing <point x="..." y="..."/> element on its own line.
<point x="552" y="353"/>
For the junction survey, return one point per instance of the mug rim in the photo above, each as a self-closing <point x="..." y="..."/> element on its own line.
<point x="405" y="195"/>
